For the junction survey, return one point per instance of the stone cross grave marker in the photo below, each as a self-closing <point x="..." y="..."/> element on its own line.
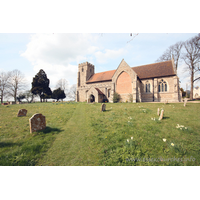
<point x="158" y="112"/>
<point x="37" y="122"/>
<point x="161" y="115"/>
<point x="22" y="112"/>
<point x="103" y="107"/>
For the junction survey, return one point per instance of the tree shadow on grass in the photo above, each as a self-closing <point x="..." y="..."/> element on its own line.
<point x="107" y="110"/>
<point x="9" y="144"/>
<point x="49" y="130"/>
<point x="166" y="117"/>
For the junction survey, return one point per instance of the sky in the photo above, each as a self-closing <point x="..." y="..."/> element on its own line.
<point x="59" y="54"/>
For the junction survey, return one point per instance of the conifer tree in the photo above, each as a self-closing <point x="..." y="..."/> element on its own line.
<point x="40" y="85"/>
<point x="58" y="94"/>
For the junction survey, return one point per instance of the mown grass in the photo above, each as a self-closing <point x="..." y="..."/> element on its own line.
<point x="17" y="145"/>
<point x="115" y="128"/>
<point x="79" y="134"/>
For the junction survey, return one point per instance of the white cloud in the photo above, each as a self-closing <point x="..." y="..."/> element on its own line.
<point x="54" y="53"/>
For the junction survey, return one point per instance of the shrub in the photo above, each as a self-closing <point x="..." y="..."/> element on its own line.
<point x="116" y="97"/>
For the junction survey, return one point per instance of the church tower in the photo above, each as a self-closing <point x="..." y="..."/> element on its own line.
<point x="85" y="72"/>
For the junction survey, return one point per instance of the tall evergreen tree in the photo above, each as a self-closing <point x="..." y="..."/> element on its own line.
<point x="40" y="85"/>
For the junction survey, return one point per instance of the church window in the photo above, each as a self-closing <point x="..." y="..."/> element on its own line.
<point x="82" y="70"/>
<point x="162" y="87"/>
<point x="148" y="87"/>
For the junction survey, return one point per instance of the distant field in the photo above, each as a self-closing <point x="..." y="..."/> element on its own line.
<point x="79" y="134"/>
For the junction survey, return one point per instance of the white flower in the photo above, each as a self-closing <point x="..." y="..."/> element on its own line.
<point x="185" y="127"/>
<point x="127" y="140"/>
<point x="131" y="138"/>
<point x="172" y="144"/>
<point x="164" y="139"/>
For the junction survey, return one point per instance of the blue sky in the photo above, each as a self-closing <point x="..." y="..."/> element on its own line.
<point x="59" y="54"/>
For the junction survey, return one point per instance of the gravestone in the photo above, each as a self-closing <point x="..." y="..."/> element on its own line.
<point x="103" y="107"/>
<point x="4" y="104"/>
<point x="37" y="122"/>
<point x="161" y="115"/>
<point x="22" y="112"/>
<point x="158" y="112"/>
<point x="185" y="101"/>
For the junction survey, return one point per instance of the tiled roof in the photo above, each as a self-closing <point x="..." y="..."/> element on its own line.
<point x="102" y="76"/>
<point x="154" y="70"/>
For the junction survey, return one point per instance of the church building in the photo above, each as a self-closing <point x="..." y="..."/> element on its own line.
<point x="157" y="82"/>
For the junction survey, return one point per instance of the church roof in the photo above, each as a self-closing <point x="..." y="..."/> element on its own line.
<point x="154" y="70"/>
<point x="102" y="76"/>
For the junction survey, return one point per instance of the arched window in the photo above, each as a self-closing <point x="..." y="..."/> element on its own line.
<point x="148" y="87"/>
<point x="162" y="87"/>
<point x="82" y="70"/>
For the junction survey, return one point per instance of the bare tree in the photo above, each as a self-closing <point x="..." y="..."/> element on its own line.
<point x="197" y="41"/>
<point x="62" y="84"/>
<point x="191" y="58"/>
<point x="4" y="78"/>
<point x="29" y="96"/>
<point x="16" y="83"/>
<point x="72" y="92"/>
<point x="173" y="50"/>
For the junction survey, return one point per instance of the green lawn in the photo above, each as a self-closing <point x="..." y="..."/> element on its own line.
<point x="79" y="134"/>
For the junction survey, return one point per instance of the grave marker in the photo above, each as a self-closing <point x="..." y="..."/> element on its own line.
<point x="22" y="112"/>
<point x="37" y="122"/>
<point x="185" y="101"/>
<point x="161" y="115"/>
<point x="103" y="107"/>
<point x="158" y="112"/>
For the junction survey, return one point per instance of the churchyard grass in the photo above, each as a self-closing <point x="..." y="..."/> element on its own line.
<point x="79" y="134"/>
<point x="17" y="145"/>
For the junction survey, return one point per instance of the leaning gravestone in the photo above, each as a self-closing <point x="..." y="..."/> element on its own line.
<point x="185" y="101"/>
<point x="158" y="112"/>
<point x="103" y="107"/>
<point x="161" y="114"/>
<point x="22" y="112"/>
<point x="37" y="122"/>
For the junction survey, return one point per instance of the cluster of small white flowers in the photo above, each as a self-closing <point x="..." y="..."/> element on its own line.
<point x="128" y="139"/>
<point x="144" y="110"/>
<point x="153" y="118"/>
<point x="181" y="127"/>
<point x="140" y="106"/>
<point x="129" y="117"/>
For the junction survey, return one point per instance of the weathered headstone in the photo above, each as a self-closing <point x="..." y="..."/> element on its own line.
<point x="185" y="101"/>
<point x="37" y="122"/>
<point x="103" y="107"/>
<point x="22" y="112"/>
<point x="158" y="112"/>
<point x="161" y="115"/>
